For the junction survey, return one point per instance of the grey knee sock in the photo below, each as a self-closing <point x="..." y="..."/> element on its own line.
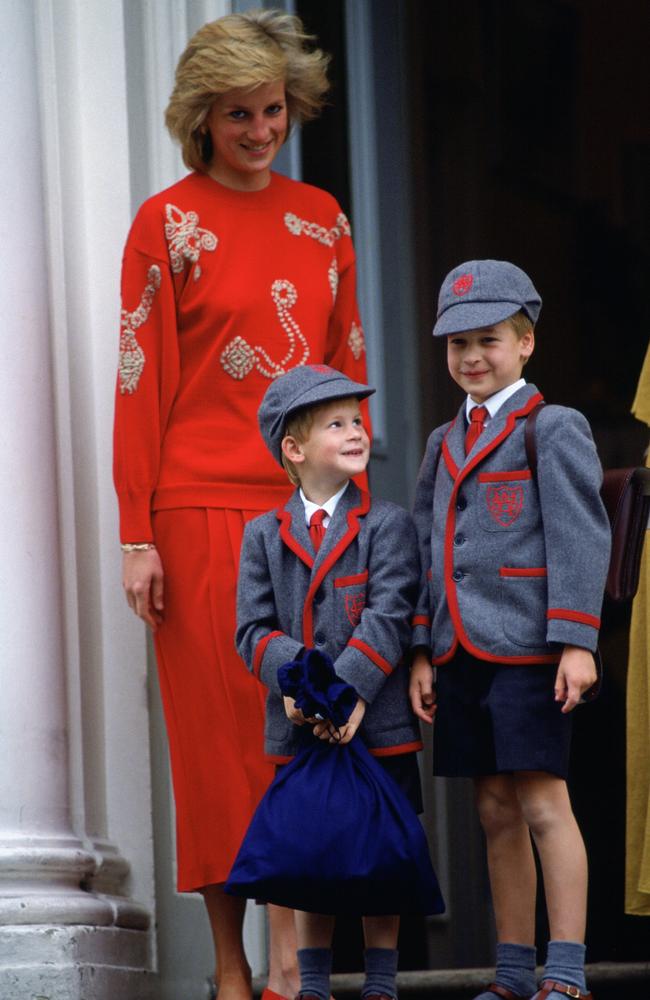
<point x="565" y="963"/>
<point x="315" y="966"/>
<point x="381" y="972"/>
<point x="515" y="970"/>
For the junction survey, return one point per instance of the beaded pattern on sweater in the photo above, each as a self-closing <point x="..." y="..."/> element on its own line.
<point x="333" y="278"/>
<point x="328" y="237"/>
<point x="132" y="357"/>
<point x="185" y="239"/>
<point x="356" y="341"/>
<point x="239" y="358"/>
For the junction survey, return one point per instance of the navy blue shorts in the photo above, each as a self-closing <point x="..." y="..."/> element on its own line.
<point x="403" y="769"/>
<point x="495" y="718"/>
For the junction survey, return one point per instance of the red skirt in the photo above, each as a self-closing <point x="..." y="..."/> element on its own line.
<point x="214" y="708"/>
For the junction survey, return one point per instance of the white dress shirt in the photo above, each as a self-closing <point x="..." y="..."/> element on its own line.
<point x="495" y="402"/>
<point x="329" y="506"/>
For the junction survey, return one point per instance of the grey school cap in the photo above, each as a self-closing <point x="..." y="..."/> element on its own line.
<point x="484" y="292"/>
<point x="305" y="385"/>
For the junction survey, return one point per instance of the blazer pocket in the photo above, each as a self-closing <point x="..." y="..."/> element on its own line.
<point x="350" y="594"/>
<point x="523" y="604"/>
<point x="507" y="500"/>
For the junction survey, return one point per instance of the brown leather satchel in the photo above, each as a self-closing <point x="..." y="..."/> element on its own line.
<point x="626" y="496"/>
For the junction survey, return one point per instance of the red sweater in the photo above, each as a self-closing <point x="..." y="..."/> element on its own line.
<point x="222" y="291"/>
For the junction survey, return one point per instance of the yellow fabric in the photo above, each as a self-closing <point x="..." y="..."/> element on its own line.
<point x="641" y="404"/>
<point x="637" y="853"/>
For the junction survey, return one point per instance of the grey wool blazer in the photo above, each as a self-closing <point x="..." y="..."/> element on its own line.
<point x="353" y="599"/>
<point x="514" y="565"/>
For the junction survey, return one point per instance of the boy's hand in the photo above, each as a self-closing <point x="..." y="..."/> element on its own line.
<point x="294" y="714"/>
<point x="421" y="688"/>
<point x="326" y="730"/>
<point x="575" y="674"/>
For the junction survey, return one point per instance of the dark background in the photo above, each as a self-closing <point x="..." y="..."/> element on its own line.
<point x="528" y="137"/>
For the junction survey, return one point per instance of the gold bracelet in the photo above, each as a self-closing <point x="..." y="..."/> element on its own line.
<point x="137" y="546"/>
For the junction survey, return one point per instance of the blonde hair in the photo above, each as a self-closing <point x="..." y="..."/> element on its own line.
<point x="521" y="323"/>
<point x="298" y="426"/>
<point x="243" y="51"/>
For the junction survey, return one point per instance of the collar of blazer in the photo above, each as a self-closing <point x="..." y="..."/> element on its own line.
<point x="496" y="430"/>
<point x="342" y="529"/>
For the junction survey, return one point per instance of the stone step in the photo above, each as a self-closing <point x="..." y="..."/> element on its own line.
<point x="607" y="981"/>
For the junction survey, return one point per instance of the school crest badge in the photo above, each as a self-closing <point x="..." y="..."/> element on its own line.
<point x="354" y="605"/>
<point x="505" y="503"/>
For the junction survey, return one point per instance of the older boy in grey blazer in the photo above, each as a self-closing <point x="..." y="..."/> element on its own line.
<point x="336" y="571"/>
<point x="514" y="569"/>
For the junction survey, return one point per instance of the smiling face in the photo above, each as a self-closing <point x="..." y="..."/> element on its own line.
<point x="336" y="448"/>
<point x="247" y="128"/>
<point x="484" y="361"/>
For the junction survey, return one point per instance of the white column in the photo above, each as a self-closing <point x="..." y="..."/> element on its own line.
<point x="42" y="862"/>
<point x="68" y="927"/>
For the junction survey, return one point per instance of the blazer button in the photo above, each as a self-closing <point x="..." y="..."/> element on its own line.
<point x="457" y="575"/>
<point x="320" y="597"/>
<point x="461" y="503"/>
<point x="459" y="539"/>
<point x="319" y="639"/>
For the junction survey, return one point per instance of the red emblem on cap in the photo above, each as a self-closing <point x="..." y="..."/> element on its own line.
<point x="354" y="605"/>
<point x="321" y="369"/>
<point x="462" y="285"/>
<point x="505" y="503"/>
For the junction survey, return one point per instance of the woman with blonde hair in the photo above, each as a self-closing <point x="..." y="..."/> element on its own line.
<point x="231" y="277"/>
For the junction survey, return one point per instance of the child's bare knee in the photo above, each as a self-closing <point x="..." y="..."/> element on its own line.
<point x="498" y="810"/>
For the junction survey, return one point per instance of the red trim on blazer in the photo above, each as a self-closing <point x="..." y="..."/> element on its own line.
<point x="399" y="748"/>
<point x="511" y="419"/>
<point x="523" y="571"/>
<point x="327" y="563"/>
<point x="438" y="661"/>
<point x="349" y="581"/>
<point x="421" y="620"/>
<point x="372" y="654"/>
<point x="260" y="649"/>
<point x="573" y="616"/>
<point x="284" y="517"/>
<point x="504" y="477"/>
<point x="450" y="531"/>
<point x="278" y="758"/>
<point x="452" y="468"/>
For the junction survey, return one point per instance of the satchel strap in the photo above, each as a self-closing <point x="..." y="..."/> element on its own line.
<point x="530" y="438"/>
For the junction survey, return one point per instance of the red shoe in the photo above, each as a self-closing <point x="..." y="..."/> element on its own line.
<point x="568" y="991"/>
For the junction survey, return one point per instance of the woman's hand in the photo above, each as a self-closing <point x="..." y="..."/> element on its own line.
<point x="422" y="690"/>
<point x="576" y="673"/>
<point x="142" y="579"/>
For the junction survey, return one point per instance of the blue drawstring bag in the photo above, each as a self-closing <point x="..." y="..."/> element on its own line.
<point x="334" y="834"/>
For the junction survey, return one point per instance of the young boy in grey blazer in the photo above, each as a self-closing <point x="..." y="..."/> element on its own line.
<point x="514" y="568"/>
<point x="336" y="571"/>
